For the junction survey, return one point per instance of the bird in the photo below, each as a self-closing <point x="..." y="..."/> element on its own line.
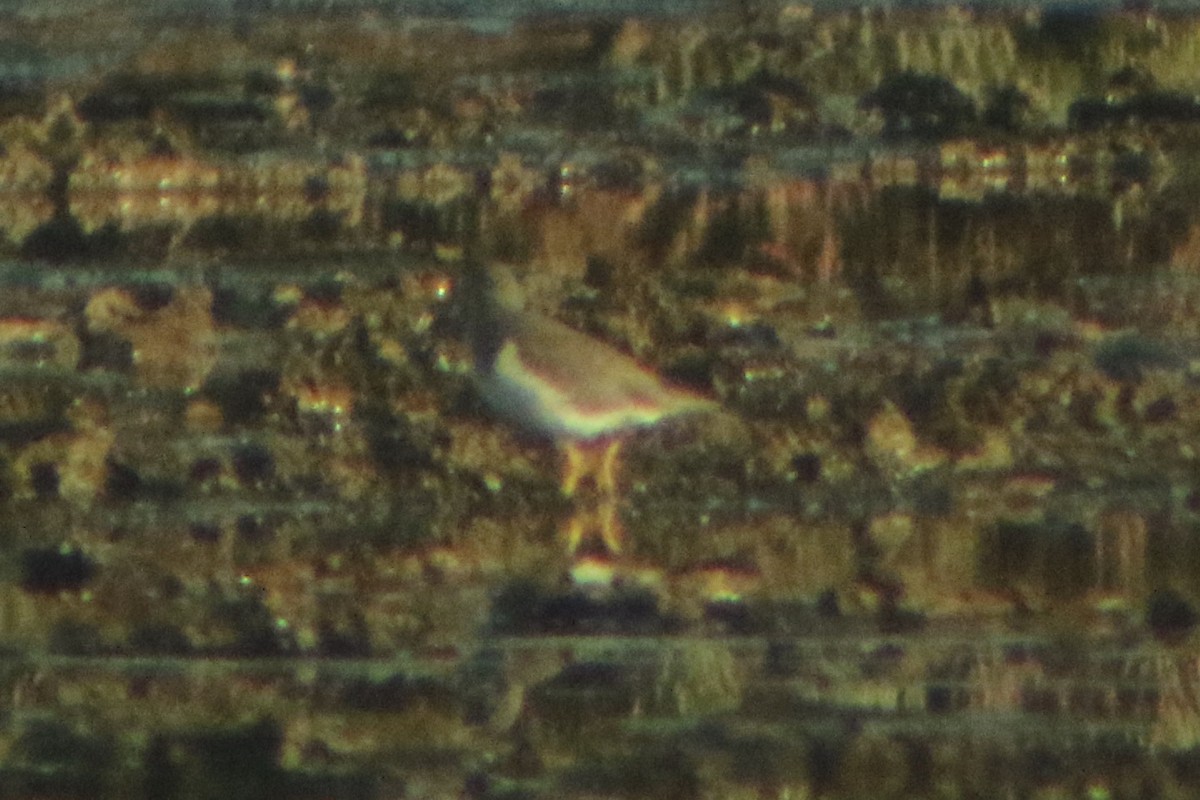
<point x="554" y="381"/>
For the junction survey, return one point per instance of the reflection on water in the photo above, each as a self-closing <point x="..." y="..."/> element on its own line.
<point x="261" y="537"/>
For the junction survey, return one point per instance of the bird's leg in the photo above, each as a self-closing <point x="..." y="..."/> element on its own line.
<point x="574" y="469"/>
<point x="573" y="531"/>
<point x="603" y="520"/>
<point x="606" y="480"/>
<point x="589" y="459"/>
<point x="599" y="460"/>
<point x="611" y="532"/>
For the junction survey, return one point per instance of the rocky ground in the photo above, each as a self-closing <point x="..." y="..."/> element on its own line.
<point x="259" y="537"/>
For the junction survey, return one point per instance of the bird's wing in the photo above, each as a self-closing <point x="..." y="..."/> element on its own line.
<point x="591" y="375"/>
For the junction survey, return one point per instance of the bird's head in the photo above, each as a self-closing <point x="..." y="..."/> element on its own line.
<point x="485" y="299"/>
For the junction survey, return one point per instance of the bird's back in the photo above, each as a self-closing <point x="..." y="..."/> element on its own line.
<point x="553" y="379"/>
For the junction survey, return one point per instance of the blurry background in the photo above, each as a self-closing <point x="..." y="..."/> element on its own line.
<point x="258" y="537"/>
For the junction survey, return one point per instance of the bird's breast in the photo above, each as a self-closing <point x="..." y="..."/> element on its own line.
<point x="515" y="389"/>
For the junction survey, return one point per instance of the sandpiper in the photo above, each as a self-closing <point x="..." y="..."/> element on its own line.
<point x="557" y="382"/>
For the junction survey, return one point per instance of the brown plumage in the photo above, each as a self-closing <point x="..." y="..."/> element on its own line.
<point x="576" y="390"/>
<point x="554" y="380"/>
